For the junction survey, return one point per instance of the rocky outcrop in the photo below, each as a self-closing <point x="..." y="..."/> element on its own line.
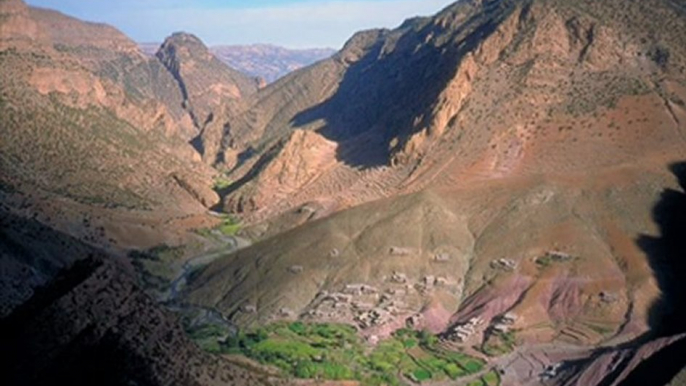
<point x="300" y="160"/>
<point x="204" y="81"/>
<point x="17" y="24"/>
<point x="482" y="90"/>
<point x="196" y="189"/>
<point x="92" y="128"/>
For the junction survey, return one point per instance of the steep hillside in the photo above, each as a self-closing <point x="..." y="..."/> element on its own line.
<point x="520" y="151"/>
<point x="211" y="91"/>
<point x="483" y="90"/>
<point x="111" y="56"/>
<point x="94" y="134"/>
<point x="560" y="254"/>
<point x="205" y="82"/>
<point x="505" y="177"/>
<point x="94" y="326"/>
<point x="460" y="236"/>
<point x="27" y="257"/>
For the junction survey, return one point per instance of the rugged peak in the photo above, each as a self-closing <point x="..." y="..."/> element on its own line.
<point x="12" y="6"/>
<point x="490" y="73"/>
<point x="208" y="86"/>
<point x="360" y="43"/>
<point x="184" y="36"/>
<point x="182" y="46"/>
<point x="184" y="40"/>
<point x="15" y="22"/>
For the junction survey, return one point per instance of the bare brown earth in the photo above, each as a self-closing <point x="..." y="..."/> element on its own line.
<point x="95" y="135"/>
<point x="95" y="145"/>
<point x="496" y="130"/>
<point x="499" y="158"/>
<point x="208" y="87"/>
<point x="472" y="100"/>
<point x="517" y="220"/>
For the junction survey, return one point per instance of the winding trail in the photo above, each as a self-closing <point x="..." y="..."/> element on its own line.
<point x="172" y="301"/>
<point x="233" y="243"/>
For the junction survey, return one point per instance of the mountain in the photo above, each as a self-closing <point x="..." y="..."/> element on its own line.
<point x="499" y="158"/>
<point x="506" y="178"/>
<point x="27" y="257"/>
<point x="204" y="81"/>
<point x="395" y="102"/>
<point x="264" y="61"/>
<point x="267" y="61"/>
<point x="96" y="134"/>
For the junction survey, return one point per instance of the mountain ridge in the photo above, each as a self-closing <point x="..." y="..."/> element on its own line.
<point x="505" y="176"/>
<point x="408" y="148"/>
<point x="266" y="61"/>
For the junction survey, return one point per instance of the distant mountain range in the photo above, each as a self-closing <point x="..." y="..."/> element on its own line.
<point x="266" y="61"/>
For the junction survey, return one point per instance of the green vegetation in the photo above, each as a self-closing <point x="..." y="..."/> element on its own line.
<point x="492" y="378"/>
<point x="221" y="183"/>
<point x="208" y="337"/>
<point x="229" y="226"/>
<point x="601" y="329"/>
<point x="544" y="261"/>
<point x="335" y="352"/>
<point x="600" y="90"/>
<point x="499" y="344"/>
<point x="549" y="259"/>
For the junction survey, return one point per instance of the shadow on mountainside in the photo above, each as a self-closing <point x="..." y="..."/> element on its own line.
<point x="667" y="257"/>
<point x="93" y="325"/>
<point x="390" y="91"/>
<point x="666" y="254"/>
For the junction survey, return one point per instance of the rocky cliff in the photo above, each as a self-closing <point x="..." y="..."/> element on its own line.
<point x="482" y="90"/>
<point x="94" y="129"/>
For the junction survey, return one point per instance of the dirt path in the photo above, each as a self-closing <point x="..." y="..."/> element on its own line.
<point x="233" y="243"/>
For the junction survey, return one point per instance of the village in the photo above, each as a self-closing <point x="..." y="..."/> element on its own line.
<point x="371" y="308"/>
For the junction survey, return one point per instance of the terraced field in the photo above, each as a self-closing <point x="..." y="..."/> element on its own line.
<point x="335" y="352"/>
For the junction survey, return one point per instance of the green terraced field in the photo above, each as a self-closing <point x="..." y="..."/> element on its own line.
<point x="335" y="352"/>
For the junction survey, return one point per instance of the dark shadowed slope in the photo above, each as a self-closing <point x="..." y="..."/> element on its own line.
<point x="667" y="256"/>
<point x="93" y="326"/>
<point x="659" y="355"/>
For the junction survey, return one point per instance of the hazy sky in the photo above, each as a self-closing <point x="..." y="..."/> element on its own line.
<point x="291" y="23"/>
